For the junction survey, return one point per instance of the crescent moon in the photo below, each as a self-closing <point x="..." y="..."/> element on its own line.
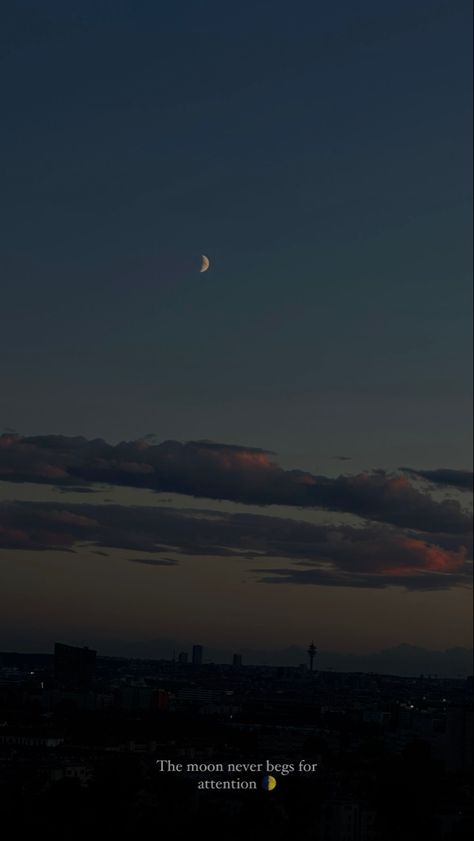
<point x="204" y="263"/>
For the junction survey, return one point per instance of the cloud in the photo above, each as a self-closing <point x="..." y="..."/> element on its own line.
<point x="226" y="472"/>
<point x="343" y="555"/>
<point x="321" y="577"/>
<point x="156" y="562"/>
<point x="376" y="557"/>
<point x="444" y="477"/>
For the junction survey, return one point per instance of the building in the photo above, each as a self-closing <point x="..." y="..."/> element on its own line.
<point x="237" y="660"/>
<point x="459" y="738"/>
<point x="141" y="698"/>
<point x="347" y="821"/>
<point x="83" y="774"/>
<point x="183" y="657"/>
<point x="29" y="739"/>
<point x="74" y="666"/>
<point x="197" y="655"/>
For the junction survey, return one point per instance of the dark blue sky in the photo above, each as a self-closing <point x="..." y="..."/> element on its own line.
<point x="319" y="153"/>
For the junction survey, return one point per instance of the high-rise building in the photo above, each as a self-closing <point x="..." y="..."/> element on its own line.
<point x="183" y="657"/>
<point x="237" y="660"/>
<point x="74" y="666"/>
<point x="197" y="655"/>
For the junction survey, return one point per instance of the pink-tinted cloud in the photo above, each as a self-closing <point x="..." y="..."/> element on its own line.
<point x="371" y="556"/>
<point x="221" y="471"/>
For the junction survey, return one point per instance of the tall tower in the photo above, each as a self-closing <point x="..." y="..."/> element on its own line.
<point x="312" y="651"/>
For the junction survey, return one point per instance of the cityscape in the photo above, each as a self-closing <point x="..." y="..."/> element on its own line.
<point x="85" y="741"/>
<point x="236" y="485"/>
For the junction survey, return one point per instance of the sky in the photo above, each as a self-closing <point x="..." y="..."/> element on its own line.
<point x="277" y="449"/>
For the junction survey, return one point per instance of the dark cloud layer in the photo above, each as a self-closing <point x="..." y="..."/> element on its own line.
<point x="227" y="472"/>
<point x="444" y="477"/>
<point x="422" y="580"/>
<point x="155" y="562"/>
<point x="370" y="556"/>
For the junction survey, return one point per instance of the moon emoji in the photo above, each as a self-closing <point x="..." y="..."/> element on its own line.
<point x="204" y="263"/>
